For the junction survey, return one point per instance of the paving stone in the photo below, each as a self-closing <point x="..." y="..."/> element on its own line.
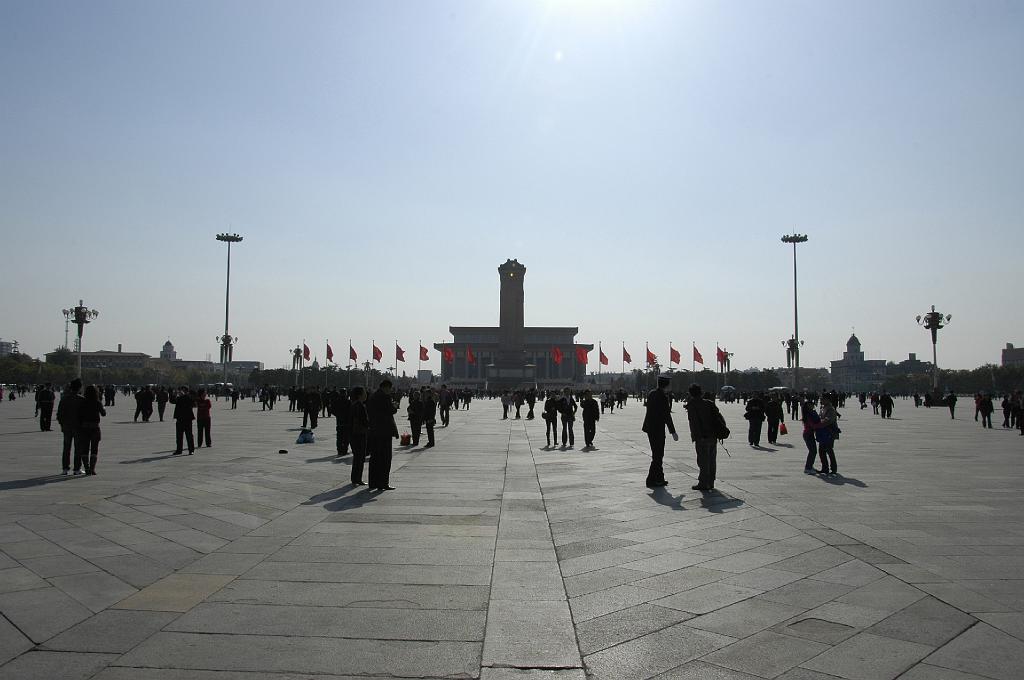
<point x="684" y="579"/>
<point x="64" y="665"/>
<point x="603" y="602"/>
<point x="707" y="598"/>
<point x="41" y="614"/>
<point x="819" y="630"/>
<point x="58" y="565"/>
<point x="135" y="570"/>
<point x="927" y="621"/>
<point x="113" y="631"/>
<point x="19" y="578"/>
<point x="224" y="563"/>
<point x="530" y="635"/>
<point x="527" y="581"/>
<point x="626" y="624"/>
<point x="766" y="654"/>
<point x="12" y="642"/>
<point x="532" y="674"/>
<point x="655" y="653"/>
<point x="764" y="578"/>
<point x="1012" y="623"/>
<point x="745" y="618"/>
<point x="983" y="650"/>
<point x="853" y="573"/>
<point x="96" y="590"/>
<point x="176" y="593"/>
<point x="698" y="670"/>
<point x="923" y="671"/>
<point x="806" y="593"/>
<point x="354" y="594"/>
<point x="869" y="657"/>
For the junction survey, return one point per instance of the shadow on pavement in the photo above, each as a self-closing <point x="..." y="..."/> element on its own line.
<point x="157" y="455"/>
<point x="715" y="501"/>
<point x="34" y="481"/>
<point x="335" y="500"/>
<point x="843" y="481"/>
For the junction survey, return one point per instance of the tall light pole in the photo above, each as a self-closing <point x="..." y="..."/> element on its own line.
<point x="226" y="341"/>
<point x="67" y="320"/>
<point x="795" y="346"/>
<point x="80" y="316"/>
<point x="934" y="322"/>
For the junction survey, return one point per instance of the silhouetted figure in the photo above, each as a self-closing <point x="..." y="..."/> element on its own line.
<point x="91" y="412"/>
<point x="429" y="401"/>
<point x="45" y="403"/>
<point x="951" y="403"/>
<point x="203" y="419"/>
<point x="551" y="418"/>
<point x="183" y="418"/>
<point x="381" y="411"/>
<point x="755" y="416"/>
<point x="657" y="418"/>
<point x="69" y="418"/>
<point x="591" y="414"/>
<point x="359" y="429"/>
<point x="707" y="426"/>
<point x="342" y="421"/>
<point x="773" y="413"/>
<point x="567" y="408"/>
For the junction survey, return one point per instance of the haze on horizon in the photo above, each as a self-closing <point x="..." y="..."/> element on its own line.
<point x="642" y="159"/>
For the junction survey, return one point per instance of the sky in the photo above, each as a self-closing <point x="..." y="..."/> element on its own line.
<point x="642" y="159"/>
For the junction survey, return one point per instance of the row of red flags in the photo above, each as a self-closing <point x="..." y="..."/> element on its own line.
<point x="448" y="354"/>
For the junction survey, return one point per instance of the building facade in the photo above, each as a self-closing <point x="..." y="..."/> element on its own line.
<point x="1013" y="356"/>
<point x="108" y="359"/>
<point x="512" y="354"/>
<point x="854" y="373"/>
<point x="8" y="348"/>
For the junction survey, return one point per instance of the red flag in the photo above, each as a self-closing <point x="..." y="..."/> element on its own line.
<point x="581" y="354"/>
<point x="352" y="356"/>
<point x="720" y="354"/>
<point x="603" y="358"/>
<point x="377" y="354"/>
<point x="399" y="353"/>
<point x="470" y="357"/>
<point x="424" y="356"/>
<point x="330" y="352"/>
<point x="625" y="356"/>
<point x="556" y="354"/>
<point x="673" y="355"/>
<point x="697" y="357"/>
<point x="652" y="358"/>
<point x="305" y="351"/>
<point x="449" y="355"/>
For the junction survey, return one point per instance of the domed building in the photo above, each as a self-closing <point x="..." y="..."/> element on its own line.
<point x="854" y="373"/>
<point x="168" y="352"/>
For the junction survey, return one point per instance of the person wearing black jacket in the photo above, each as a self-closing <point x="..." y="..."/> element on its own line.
<point x="591" y="414"/>
<point x="381" y="412"/>
<point x="89" y="422"/>
<point x="183" y="417"/>
<point x="773" y="412"/>
<point x="359" y="428"/>
<point x="69" y="418"/>
<point x="657" y="418"/>
<point x="707" y="426"/>
<point x="311" y="406"/>
<point x="551" y="417"/>
<point x="755" y="415"/>
<point x="342" y="409"/>
<point x="415" y="411"/>
<point x="567" y="407"/>
<point x="162" y="397"/>
<point x="45" y="401"/>
<point x="429" y="413"/>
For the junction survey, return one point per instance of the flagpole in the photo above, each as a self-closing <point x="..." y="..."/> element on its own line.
<point x="302" y="366"/>
<point x="348" y="366"/>
<point x="419" y="360"/>
<point x="599" y="353"/>
<point x="693" y="357"/>
<point x="326" y="366"/>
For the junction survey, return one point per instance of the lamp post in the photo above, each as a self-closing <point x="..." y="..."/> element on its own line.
<point x="792" y="354"/>
<point x="67" y="321"/>
<point x="934" y="322"/>
<point x="80" y="316"/>
<point x="226" y="341"/>
<point x="795" y="346"/>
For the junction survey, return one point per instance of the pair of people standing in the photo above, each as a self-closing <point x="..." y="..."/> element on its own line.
<point x="820" y="433"/>
<point x="79" y="420"/>
<point x="707" y="427"/>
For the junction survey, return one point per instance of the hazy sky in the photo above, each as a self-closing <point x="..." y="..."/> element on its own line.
<point x="642" y="159"/>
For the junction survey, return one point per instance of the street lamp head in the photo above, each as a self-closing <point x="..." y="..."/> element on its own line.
<point x="794" y="238"/>
<point x="229" y="238"/>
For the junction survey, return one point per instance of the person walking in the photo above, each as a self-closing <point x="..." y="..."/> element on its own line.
<point x="69" y="418"/>
<point x="773" y="413"/>
<point x="707" y="426"/>
<point x="429" y="412"/>
<point x="591" y="414"/>
<point x="45" y="401"/>
<point x="359" y="430"/>
<point x="89" y="423"/>
<point x="381" y="411"/>
<point x="755" y="416"/>
<point x="951" y="403"/>
<point x="444" y="405"/>
<point x="986" y="408"/>
<point x="656" y="419"/>
<point x="567" y="407"/>
<point x="162" y="397"/>
<point x="183" y="417"/>
<point x="203" y="419"/>
<point x="415" y="411"/>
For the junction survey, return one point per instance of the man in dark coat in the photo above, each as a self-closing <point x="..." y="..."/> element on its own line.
<point x="68" y="417"/>
<point x="183" y="417"/>
<point x="429" y="402"/>
<point x="342" y="409"/>
<point x="706" y="427"/>
<point x="657" y="418"/>
<point x="381" y="412"/>
<point x="45" y="401"/>
<point x="591" y="414"/>
<point x="311" y="407"/>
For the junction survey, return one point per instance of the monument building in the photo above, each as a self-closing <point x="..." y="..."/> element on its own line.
<point x="512" y="355"/>
<point x="854" y="373"/>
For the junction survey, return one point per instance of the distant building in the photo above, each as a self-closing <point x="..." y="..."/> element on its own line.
<point x="911" y="366"/>
<point x="244" y="367"/>
<point x="811" y="379"/>
<point x="168" y="353"/>
<point x="8" y="348"/>
<point x="1013" y="356"/>
<point x="424" y="376"/>
<point x="854" y="373"/>
<point x="107" y="359"/>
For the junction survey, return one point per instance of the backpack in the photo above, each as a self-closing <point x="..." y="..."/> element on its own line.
<point x="721" y="429"/>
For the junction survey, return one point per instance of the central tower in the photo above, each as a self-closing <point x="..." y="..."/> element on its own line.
<point x="510" y="321"/>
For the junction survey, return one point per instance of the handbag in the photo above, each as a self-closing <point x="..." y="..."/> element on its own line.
<point x="782" y="428"/>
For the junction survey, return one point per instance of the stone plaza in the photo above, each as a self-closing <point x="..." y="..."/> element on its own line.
<point x="499" y="559"/>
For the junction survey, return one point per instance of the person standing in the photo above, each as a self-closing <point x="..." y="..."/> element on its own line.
<point x="162" y="397"/>
<point x="707" y="426"/>
<point x="342" y="421"/>
<point x="203" y="408"/>
<point x="568" y="407"/>
<point x="951" y="403"/>
<point x="531" y="400"/>
<point x="359" y="428"/>
<point x="311" y="408"/>
<point x="811" y="420"/>
<point x="591" y="414"/>
<point x="90" y="414"/>
<point x="183" y="417"/>
<point x="444" y="405"/>
<point x="69" y="412"/>
<point x="381" y="412"/>
<point x="885" y="403"/>
<point x="234" y="398"/>
<point x="755" y="416"/>
<point x="773" y="413"/>
<point x="825" y="433"/>
<point x="986" y="408"/>
<point x="429" y="409"/>
<point x="415" y="411"/>
<point x="550" y="416"/>
<point x="656" y="419"/>
<point x="45" y="403"/>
